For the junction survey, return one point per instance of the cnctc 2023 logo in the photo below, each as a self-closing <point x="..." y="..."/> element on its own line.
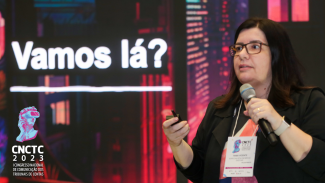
<point x="27" y="119"/>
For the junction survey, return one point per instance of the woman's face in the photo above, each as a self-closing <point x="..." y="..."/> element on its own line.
<point x="254" y="69"/>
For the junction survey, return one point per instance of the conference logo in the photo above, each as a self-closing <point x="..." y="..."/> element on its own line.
<point x="236" y="146"/>
<point x="27" y="119"/>
<point x="246" y="145"/>
<point x="27" y="159"/>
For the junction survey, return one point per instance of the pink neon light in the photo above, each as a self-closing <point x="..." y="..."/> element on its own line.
<point x="278" y="10"/>
<point x="158" y="128"/>
<point x="300" y="10"/>
<point x="2" y="35"/>
<point x="160" y="29"/>
<point x="273" y="10"/>
<point x="144" y="133"/>
<point x="66" y="80"/>
<point x="60" y="112"/>
<point x="284" y="11"/>
<point x="193" y="49"/>
<point x="47" y="82"/>
<point x="151" y="131"/>
<point x="4" y="179"/>
<point x="67" y="112"/>
<point x="137" y="9"/>
<point x="225" y="49"/>
<point x="194" y="24"/>
<point x="144" y="31"/>
<point x="239" y="167"/>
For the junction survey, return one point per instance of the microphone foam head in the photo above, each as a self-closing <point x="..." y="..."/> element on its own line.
<point x="247" y="91"/>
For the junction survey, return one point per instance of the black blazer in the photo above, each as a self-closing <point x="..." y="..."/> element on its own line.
<point x="273" y="164"/>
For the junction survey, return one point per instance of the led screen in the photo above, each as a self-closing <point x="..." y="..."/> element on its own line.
<point x="95" y="79"/>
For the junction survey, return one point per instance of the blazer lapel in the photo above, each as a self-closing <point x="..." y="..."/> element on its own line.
<point x="221" y="131"/>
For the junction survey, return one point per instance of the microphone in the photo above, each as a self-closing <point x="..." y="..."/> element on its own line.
<point x="247" y="92"/>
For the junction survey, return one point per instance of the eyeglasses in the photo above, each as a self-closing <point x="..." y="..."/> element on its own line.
<point x="251" y="48"/>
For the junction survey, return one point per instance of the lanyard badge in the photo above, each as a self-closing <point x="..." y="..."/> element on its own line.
<point x="240" y="156"/>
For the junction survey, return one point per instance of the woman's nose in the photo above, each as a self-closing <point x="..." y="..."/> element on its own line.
<point x="243" y="54"/>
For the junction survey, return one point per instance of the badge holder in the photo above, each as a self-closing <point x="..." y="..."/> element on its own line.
<point x="240" y="154"/>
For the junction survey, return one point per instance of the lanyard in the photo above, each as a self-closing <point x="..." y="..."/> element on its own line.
<point x="233" y="132"/>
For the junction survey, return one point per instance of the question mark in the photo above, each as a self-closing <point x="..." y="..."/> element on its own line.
<point x="162" y="50"/>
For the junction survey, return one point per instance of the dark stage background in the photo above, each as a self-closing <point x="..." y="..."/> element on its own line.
<point x="106" y="124"/>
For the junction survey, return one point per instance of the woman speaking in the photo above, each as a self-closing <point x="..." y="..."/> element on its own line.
<point x="264" y="58"/>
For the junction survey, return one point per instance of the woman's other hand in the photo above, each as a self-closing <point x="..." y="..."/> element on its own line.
<point x="175" y="133"/>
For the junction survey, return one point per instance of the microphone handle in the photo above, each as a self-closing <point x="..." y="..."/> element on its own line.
<point x="266" y="129"/>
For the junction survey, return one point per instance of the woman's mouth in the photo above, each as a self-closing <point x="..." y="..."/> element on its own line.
<point x="243" y="67"/>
